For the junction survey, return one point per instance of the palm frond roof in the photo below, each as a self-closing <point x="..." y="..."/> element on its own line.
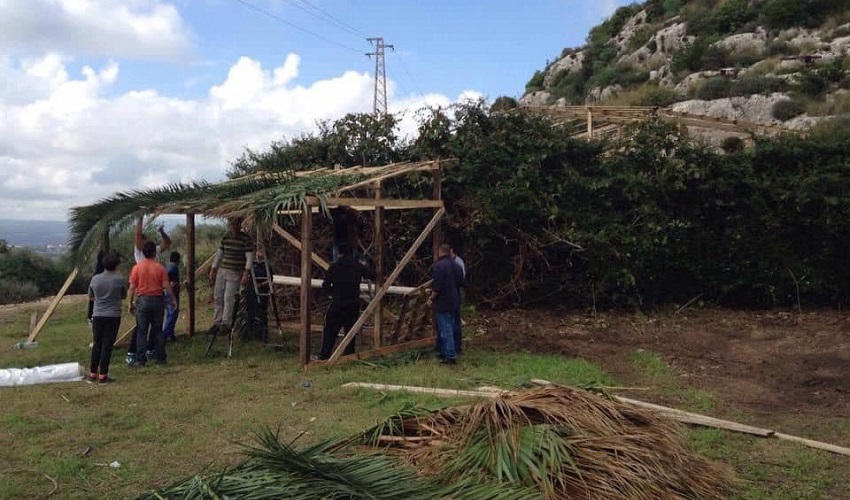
<point x="257" y="198"/>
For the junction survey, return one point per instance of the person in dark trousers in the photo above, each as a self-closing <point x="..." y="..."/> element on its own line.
<point x="147" y="280"/>
<point x="445" y="299"/>
<point x="172" y="313"/>
<point x="457" y="326"/>
<point x="140" y="238"/>
<point x="258" y="300"/>
<point x="106" y="291"/>
<point x="342" y="283"/>
<point x="98" y="268"/>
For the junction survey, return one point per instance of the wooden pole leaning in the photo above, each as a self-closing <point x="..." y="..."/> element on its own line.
<point x="378" y="333"/>
<point x="52" y="307"/>
<point x="297" y="244"/>
<point x="437" y="195"/>
<point x="306" y="277"/>
<point x="379" y="295"/>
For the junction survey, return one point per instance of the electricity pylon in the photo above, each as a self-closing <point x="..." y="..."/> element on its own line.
<point x="379" y="97"/>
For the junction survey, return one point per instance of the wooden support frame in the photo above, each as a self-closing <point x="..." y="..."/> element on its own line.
<point x="297" y="244"/>
<point x="378" y="333"/>
<point x="306" y="276"/>
<point x="53" y="304"/>
<point x="379" y="295"/>
<point x="375" y="353"/>
<point x="190" y="272"/>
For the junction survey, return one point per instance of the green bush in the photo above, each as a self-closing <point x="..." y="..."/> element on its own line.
<point x="779" y="48"/>
<point x="812" y="84"/>
<point x="787" y="109"/>
<point x="536" y="81"/>
<point x="714" y="88"/>
<point x="732" y="145"/>
<point x="14" y="292"/>
<point x="612" y="26"/>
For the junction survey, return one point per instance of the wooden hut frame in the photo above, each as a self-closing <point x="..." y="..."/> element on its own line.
<point x="368" y="179"/>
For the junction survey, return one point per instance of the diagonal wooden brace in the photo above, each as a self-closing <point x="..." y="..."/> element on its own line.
<point x="379" y="295"/>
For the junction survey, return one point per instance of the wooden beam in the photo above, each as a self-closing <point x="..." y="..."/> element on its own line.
<point x="375" y="353"/>
<point x="124" y="335"/>
<point x="379" y="295"/>
<point x="437" y="194"/>
<point x="52" y="307"/>
<point x="190" y="272"/>
<point x="382" y="202"/>
<point x="378" y="332"/>
<point x="279" y="279"/>
<point x="426" y="390"/>
<point x="306" y="268"/>
<point x="297" y="244"/>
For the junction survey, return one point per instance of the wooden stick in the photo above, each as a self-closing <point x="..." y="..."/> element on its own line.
<point x="697" y="419"/>
<point x="306" y="268"/>
<point x="425" y="390"/>
<point x="376" y="353"/>
<point x="52" y="307"/>
<point x="297" y="244"/>
<point x="383" y="202"/>
<point x="379" y="295"/>
<point x="378" y="334"/>
<point x="124" y="335"/>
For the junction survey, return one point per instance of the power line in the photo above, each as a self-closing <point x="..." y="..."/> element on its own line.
<point x="379" y="97"/>
<point x="330" y="18"/>
<point x="409" y="75"/>
<point x="299" y="28"/>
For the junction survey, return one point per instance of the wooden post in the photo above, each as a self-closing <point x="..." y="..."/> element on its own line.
<point x="379" y="268"/>
<point x="190" y="272"/>
<point x="52" y="307"/>
<point x="379" y="295"/>
<point x="589" y="123"/>
<point x="297" y="244"/>
<point x="437" y="194"/>
<point x="306" y="286"/>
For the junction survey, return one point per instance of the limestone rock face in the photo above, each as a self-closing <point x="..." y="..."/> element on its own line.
<point x="745" y="42"/>
<point x="538" y="98"/>
<point x="571" y="63"/>
<point x="754" y="108"/>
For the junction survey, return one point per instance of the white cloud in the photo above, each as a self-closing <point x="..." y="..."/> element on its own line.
<point x="145" y="29"/>
<point x="68" y="139"/>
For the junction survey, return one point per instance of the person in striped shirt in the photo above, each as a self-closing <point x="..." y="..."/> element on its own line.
<point x="231" y="268"/>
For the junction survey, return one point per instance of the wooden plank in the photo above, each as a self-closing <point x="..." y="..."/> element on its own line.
<point x="291" y="325"/>
<point x="278" y="279"/>
<point x="814" y="444"/>
<point x="306" y="268"/>
<point x="379" y="295"/>
<point x="399" y="324"/>
<point x="375" y="353"/>
<point x="437" y="194"/>
<point x="124" y="335"/>
<point x="297" y="244"/>
<point x="382" y="202"/>
<point x="378" y="332"/>
<point x="425" y="390"/>
<point x="52" y="307"/>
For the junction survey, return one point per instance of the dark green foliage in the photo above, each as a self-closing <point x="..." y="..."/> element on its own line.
<point x="611" y="27"/>
<point x="714" y="88"/>
<point x="503" y="103"/>
<point x="812" y="83"/>
<point x="732" y="145"/>
<point x="653" y="95"/>
<point x="788" y="108"/>
<point x="779" y="48"/>
<point x="781" y="14"/>
<point x="536" y="81"/>
<point x="700" y="56"/>
<point x="25" y="275"/>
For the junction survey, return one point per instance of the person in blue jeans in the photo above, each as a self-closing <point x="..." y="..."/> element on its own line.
<point x="445" y="299"/>
<point x="172" y="312"/>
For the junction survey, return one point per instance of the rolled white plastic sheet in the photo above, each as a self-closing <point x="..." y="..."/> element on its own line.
<point x="63" y="372"/>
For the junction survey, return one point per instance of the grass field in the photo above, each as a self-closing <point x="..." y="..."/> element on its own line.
<point x="162" y="424"/>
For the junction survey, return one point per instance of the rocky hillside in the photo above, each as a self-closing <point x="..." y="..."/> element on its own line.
<point x="768" y="61"/>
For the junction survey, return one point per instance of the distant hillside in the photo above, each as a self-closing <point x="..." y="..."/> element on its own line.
<point x="768" y="61"/>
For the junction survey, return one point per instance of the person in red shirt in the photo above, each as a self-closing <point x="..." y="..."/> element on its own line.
<point x="147" y="280"/>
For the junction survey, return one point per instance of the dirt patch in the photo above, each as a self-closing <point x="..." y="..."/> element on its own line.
<point x="9" y="309"/>
<point x="769" y="363"/>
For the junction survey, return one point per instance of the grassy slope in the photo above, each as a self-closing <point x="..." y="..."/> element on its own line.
<point x="166" y="423"/>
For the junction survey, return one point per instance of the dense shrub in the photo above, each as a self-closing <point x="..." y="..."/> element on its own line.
<point x="13" y="292"/>
<point x="779" y="48"/>
<point x="787" y="109"/>
<point x="612" y="26"/>
<point x="536" y="81"/>
<point x="732" y="145"/>
<point x="714" y="88"/>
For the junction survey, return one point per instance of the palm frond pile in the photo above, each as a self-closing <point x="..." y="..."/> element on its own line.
<point x="565" y="442"/>
<point x="551" y="442"/>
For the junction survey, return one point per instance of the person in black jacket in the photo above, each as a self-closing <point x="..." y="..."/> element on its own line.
<point x="342" y="283"/>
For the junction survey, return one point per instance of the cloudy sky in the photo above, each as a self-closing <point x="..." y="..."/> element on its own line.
<point x="100" y="96"/>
